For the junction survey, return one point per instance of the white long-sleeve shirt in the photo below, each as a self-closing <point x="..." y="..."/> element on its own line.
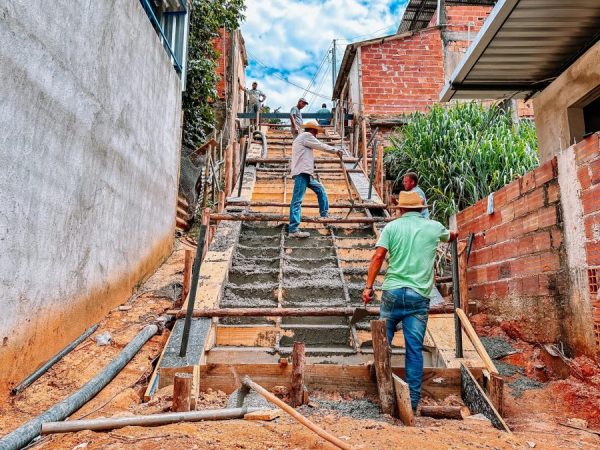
<point x="303" y="160"/>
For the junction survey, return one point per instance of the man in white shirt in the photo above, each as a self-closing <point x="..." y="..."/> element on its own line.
<point x="303" y="171"/>
<point x="296" y="120"/>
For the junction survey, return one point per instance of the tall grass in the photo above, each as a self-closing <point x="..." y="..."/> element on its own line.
<point x="461" y="153"/>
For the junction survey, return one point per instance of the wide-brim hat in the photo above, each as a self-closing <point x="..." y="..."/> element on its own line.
<point x="314" y="125"/>
<point x="410" y="200"/>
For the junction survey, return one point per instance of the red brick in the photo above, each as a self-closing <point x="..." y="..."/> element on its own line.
<point x="595" y="171"/>
<point x="583" y="174"/>
<point x="556" y="237"/>
<point x="545" y="172"/>
<point x="553" y="193"/>
<point x="592" y="250"/>
<point x="499" y="199"/>
<point x="529" y="202"/>
<point x="590" y="200"/>
<point x="527" y="182"/>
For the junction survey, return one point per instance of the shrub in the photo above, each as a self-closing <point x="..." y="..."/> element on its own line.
<point x="461" y="153"/>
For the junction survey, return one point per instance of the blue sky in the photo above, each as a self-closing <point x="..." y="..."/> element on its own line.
<point x="291" y="39"/>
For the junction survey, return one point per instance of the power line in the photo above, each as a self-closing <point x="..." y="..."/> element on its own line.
<point x="317" y="72"/>
<point x="276" y="75"/>
<point x="368" y="34"/>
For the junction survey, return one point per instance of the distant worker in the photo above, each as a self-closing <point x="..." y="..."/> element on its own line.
<point x="411" y="242"/>
<point x="255" y="97"/>
<point x="324" y="110"/>
<point x="296" y="117"/>
<point x="411" y="184"/>
<point x="303" y="172"/>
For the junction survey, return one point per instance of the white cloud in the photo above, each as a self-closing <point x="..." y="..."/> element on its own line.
<point x="292" y="37"/>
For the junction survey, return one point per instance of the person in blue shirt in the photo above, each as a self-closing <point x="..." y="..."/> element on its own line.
<point x="324" y="110"/>
<point x="411" y="184"/>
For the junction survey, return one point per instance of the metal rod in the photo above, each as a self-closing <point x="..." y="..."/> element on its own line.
<point x="456" y="299"/>
<point x="287" y="160"/>
<point x="470" y="245"/>
<point x="309" y="205"/>
<point x="294" y="312"/>
<point x="192" y="300"/>
<point x="243" y="168"/>
<point x="263" y="217"/>
<point x="373" y="163"/>
<point x="152" y="420"/>
<point x="39" y="372"/>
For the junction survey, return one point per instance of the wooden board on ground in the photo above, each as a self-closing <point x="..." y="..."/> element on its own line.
<point x="268" y="414"/>
<point x="441" y="328"/>
<point x="402" y="392"/>
<point x="476" y="400"/>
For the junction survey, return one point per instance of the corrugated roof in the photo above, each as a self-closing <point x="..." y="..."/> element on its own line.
<point x="418" y="13"/>
<point x="523" y="46"/>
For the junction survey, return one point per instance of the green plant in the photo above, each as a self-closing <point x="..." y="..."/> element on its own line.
<point x="207" y="17"/>
<point x="461" y="154"/>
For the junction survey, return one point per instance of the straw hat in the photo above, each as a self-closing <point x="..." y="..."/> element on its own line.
<point x="314" y="125"/>
<point x="302" y="99"/>
<point x="410" y="200"/>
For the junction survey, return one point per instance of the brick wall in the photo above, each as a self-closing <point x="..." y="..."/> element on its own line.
<point x="458" y="18"/>
<point x="222" y="44"/>
<point x="514" y="271"/>
<point x="587" y="158"/>
<point x="402" y="75"/>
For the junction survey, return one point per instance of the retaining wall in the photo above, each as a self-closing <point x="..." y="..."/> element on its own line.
<point x="91" y="114"/>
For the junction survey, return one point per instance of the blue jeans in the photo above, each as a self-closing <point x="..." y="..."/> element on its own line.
<point x="412" y="309"/>
<point x="301" y="182"/>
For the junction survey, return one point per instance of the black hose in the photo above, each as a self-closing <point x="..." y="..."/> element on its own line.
<point x="26" y="433"/>
<point x="39" y="372"/>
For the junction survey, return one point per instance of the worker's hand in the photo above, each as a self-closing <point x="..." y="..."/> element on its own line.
<point x="453" y="235"/>
<point x="367" y="295"/>
<point x="340" y="153"/>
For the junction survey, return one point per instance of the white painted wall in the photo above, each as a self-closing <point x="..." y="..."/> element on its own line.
<point x="90" y="112"/>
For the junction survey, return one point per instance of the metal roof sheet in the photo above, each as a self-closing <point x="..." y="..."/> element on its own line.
<point x="523" y="46"/>
<point x="418" y="13"/>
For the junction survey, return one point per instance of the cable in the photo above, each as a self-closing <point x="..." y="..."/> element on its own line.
<point x="317" y="72"/>
<point x="276" y="75"/>
<point x="322" y="82"/>
<point x="389" y="27"/>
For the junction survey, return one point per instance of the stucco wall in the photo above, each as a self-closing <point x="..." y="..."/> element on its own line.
<point x="89" y="151"/>
<point x="552" y="106"/>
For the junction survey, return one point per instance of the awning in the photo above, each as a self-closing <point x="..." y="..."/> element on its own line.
<point x="523" y="46"/>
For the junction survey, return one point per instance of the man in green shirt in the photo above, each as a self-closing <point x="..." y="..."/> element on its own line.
<point x="411" y="242"/>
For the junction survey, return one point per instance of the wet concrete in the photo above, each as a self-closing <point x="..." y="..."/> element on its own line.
<point x="309" y="252"/>
<point x="522" y="384"/>
<point x="316" y="336"/>
<point x="357" y="409"/>
<point x="256" y="252"/>
<point x="241" y="277"/>
<point x="311" y="264"/>
<point x="497" y="347"/>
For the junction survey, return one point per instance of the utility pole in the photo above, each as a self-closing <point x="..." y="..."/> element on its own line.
<point x="333" y="66"/>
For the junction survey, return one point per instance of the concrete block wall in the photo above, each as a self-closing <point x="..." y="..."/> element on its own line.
<point x="89" y="151"/>
<point x="404" y="75"/>
<point x="514" y="270"/>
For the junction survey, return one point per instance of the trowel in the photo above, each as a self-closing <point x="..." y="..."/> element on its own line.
<point x="359" y="314"/>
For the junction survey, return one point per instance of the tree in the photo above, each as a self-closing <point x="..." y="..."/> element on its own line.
<point x="207" y="17"/>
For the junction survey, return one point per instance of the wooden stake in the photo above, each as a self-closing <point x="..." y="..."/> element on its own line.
<point x="383" y="368"/>
<point x="379" y="172"/>
<point x="228" y="176"/>
<point x="295" y="414"/>
<point x="187" y="274"/>
<point x="297" y="389"/>
<point x="182" y="392"/>
<point x="470" y="331"/>
<point x="363" y="143"/>
<point x="403" y="401"/>
<point x="496" y="392"/>
<point x="445" y="412"/>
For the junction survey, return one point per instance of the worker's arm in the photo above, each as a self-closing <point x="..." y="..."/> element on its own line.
<point x="453" y="235"/>
<point x="315" y="144"/>
<point x="374" y="268"/>
<point x="262" y="97"/>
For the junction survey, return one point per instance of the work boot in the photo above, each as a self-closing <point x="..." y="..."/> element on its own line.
<point x="299" y="234"/>
<point x="331" y="216"/>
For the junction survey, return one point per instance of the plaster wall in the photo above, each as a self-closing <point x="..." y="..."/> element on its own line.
<point x="89" y="155"/>
<point x="557" y="108"/>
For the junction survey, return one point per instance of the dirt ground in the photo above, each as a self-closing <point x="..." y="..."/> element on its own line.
<point x="534" y="416"/>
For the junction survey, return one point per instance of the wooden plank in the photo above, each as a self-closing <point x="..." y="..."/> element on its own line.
<point x="267" y="414"/>
<point x="182" y="392"/>
<point x="476" y="400"/>
<point x="246" y="335"/>
<point x="383" y="368"/>
<point x="496" y="392"/>
<point x="463" y="285"/>
<point x="466" y="325"/>
<point x="438" y="383"/>
<point x="403" y="404"/>
<point x="297" y="378"/>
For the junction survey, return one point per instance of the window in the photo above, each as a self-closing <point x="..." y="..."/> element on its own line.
<point x="584" y="116"/>
<point x="591" y="116"/>
<point x="170" y="19"/>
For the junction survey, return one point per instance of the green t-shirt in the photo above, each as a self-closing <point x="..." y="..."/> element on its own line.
<point x="411" y="242"/>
